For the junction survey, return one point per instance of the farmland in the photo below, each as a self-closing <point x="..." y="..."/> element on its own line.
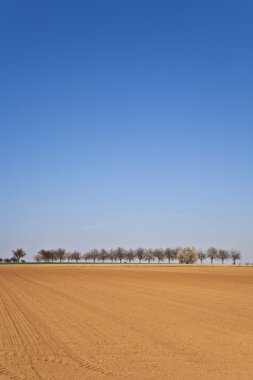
<point x="126" y="322"/>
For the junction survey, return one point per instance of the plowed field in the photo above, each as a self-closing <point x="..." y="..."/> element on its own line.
<point x="126" y="322"/>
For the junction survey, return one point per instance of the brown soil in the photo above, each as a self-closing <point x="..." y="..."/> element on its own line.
<point x="126" y="322"/>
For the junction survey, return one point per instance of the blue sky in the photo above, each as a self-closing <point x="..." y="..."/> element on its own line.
<point x="126" y="123"/>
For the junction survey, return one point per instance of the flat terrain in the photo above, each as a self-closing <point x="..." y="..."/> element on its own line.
<point x="126" y="322"/>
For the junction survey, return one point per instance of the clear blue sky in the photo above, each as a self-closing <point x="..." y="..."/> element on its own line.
<point x="126" y="123"/>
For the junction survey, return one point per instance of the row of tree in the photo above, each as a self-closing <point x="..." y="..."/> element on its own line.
<point x="187" y="255"/>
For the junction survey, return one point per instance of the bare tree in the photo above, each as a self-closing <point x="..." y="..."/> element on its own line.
<point x="68" y="256"/>
<point x="85" y="256"/>
<point x="159" y="254"/>
<point x="37" y="258"/>
<point x="75" y="255"/>
<point x="148" y="255"/>
<point x="120" y="254"/>
<point x="235" y="255"/>
<point x="45" y="254"/>
<point x="60" y="254"/>
<point x="102" y="255"/>
<point x="187" y="255"/>
<point x="18" y="253"/>
<point x="115" y="255"/>
<point x="93" y="255"/>
<point x="53" y="254"/>
<point x="111" y="255"/>
<point x="223" y="254"/>
<point x="140" y="253"/>
<point x="201" y="255"/>
<point x="130" y="255"/>
<point x="212" y="253"/>
<point x="170" y="254"/>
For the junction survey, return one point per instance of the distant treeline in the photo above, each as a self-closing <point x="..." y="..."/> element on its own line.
<point x="183" y="255"/>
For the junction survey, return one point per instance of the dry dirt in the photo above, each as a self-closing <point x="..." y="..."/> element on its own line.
<point x="126" y="322"/>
